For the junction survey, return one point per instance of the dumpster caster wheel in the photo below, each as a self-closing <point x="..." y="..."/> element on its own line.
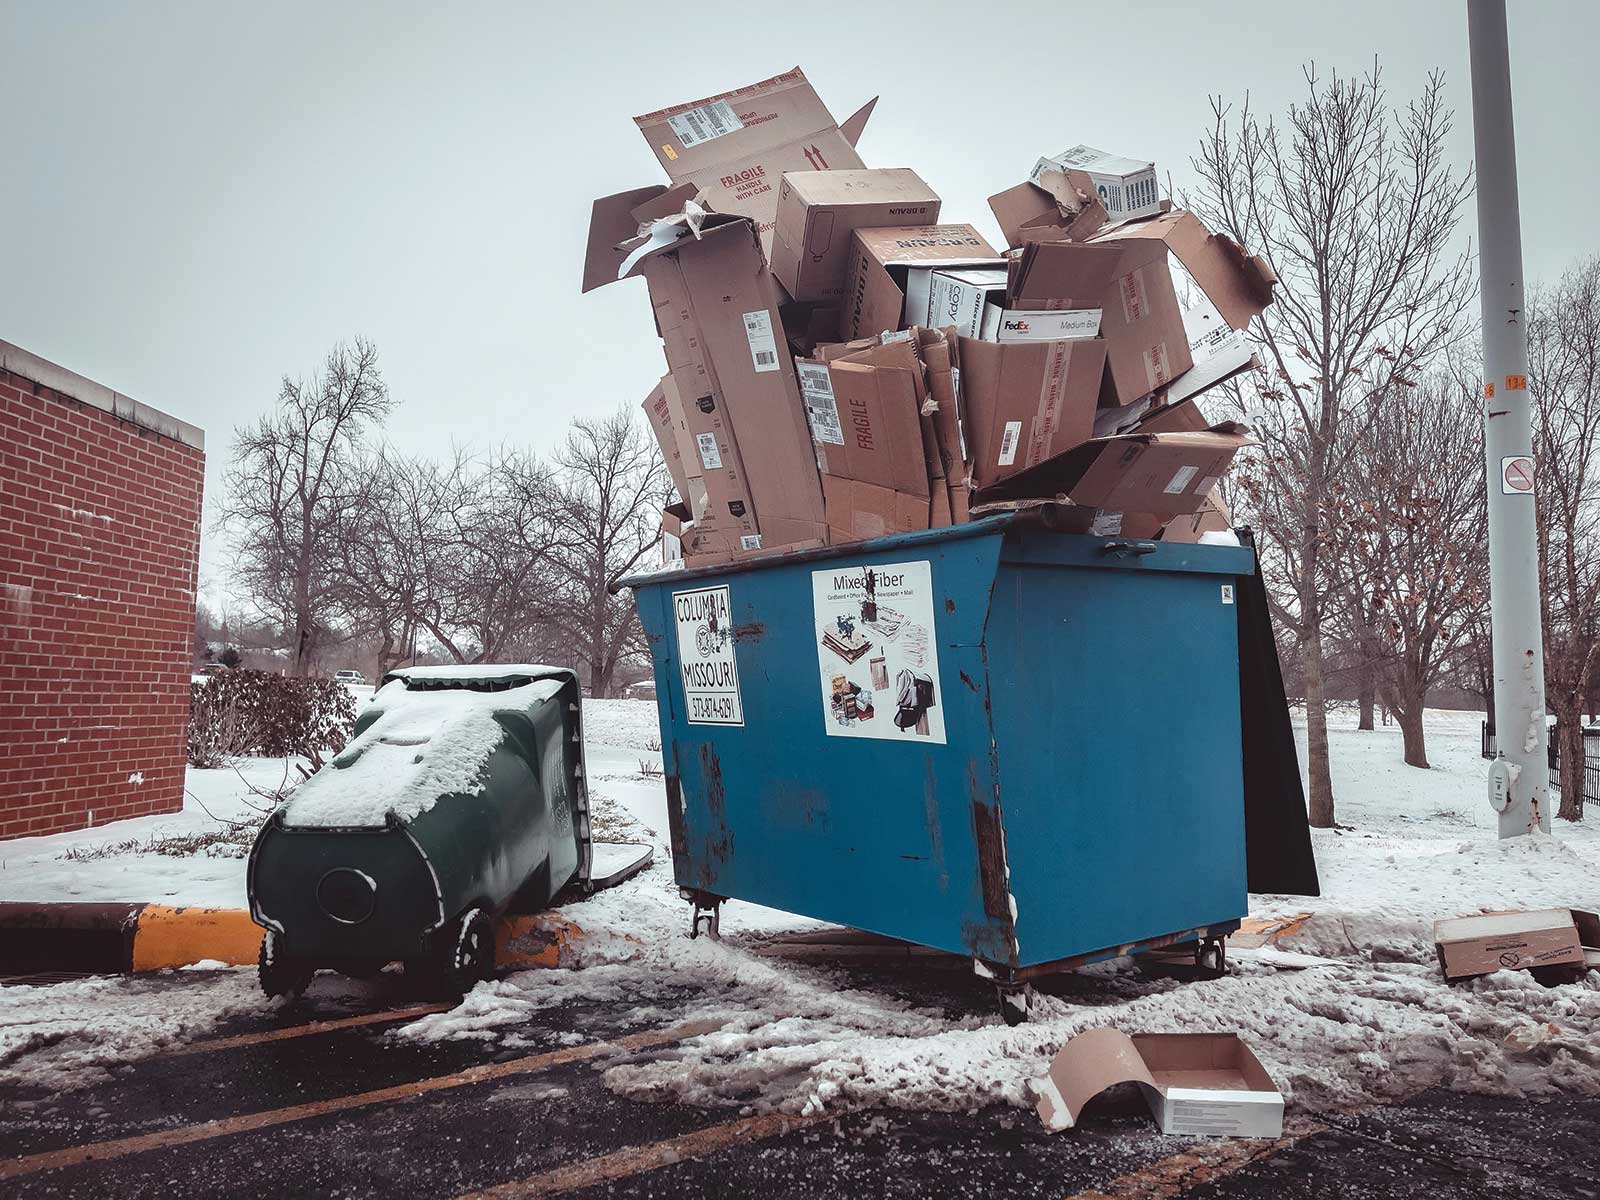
<point x="711" y="918"/>
<point x="280" y="975"/>
<point x="1211" y="958"/>
<point x="1016" y="1001"/>
<point x="465" y="953"/>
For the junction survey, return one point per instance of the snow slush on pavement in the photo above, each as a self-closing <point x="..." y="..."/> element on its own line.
<point x="461" y="794"/>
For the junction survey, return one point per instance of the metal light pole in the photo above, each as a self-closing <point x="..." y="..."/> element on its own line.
<point x="1519" y="779"/>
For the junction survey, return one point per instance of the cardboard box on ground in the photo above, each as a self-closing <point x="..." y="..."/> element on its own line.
<point x="933" y="371"/>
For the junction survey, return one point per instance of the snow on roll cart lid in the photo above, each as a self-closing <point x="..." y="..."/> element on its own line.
<point x="424" y="744"/>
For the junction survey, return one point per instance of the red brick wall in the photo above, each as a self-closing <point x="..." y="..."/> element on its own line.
<point x="99" y="547"/>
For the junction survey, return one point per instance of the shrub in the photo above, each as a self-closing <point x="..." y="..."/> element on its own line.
<point x="257" y="712"/>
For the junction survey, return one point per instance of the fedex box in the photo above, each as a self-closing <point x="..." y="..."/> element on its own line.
<point x="817" y="210"/>
<point x="1126" y="186"/>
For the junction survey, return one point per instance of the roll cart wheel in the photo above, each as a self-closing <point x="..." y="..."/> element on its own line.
<point x="468" y="956"/>
<point x="1211" y="958"/>
<point x="279" y="974"/>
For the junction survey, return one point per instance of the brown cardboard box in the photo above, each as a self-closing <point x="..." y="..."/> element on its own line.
<point x="1163" y="474"/>
<point x="817" y="210"/>
<point x="1213" y="517"/>
<point x="858" y="510"/>
<point x="879" y="259"/>
<point x="668" y="423"/>
<point x="1147" y="342"/>
<point x="1194" y="1083"/>
<point x="1026" y="401"/>
<point x="716" y="307"/>
<point x="719" y="488"/>
<point x="1062" y="206"/>
<point x="738" y="145"/>
<point x="866" y="424"/>
<point x="1480" y="945"/>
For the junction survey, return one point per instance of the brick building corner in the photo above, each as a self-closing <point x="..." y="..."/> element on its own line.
<point x="99" y="552"/>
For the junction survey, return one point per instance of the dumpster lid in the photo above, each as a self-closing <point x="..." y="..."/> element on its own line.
<point x="426" y="743"/>
<point x="478" y="677"/>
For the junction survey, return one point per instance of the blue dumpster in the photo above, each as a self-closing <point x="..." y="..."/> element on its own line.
<point x="992" y="739"/>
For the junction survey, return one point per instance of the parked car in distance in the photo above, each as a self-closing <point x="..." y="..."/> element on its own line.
<point x="349" y="675"/>
<point x="213" y="669"/>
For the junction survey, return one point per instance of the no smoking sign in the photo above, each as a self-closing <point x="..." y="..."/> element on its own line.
<point x="1516" y="475"/>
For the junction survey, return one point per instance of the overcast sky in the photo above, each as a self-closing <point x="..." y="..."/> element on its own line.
<point x="196" y="199"/>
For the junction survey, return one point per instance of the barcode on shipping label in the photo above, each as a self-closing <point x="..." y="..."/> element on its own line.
<point x="1106" y="524"/>
<point x="710" y="456"/>
<point x="1180" y="480"/>
<point x="704" y="123"/>
<point x="822" y="408"/>
<point x="1008" y="443"/>
<point x="758" y="332"/>
<point x="750" y="541"/>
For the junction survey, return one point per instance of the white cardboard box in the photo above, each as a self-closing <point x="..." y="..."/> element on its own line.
<point x="1126" y="186"/>
<point x="954" y="296"/>
<point x="1051" y="325"/>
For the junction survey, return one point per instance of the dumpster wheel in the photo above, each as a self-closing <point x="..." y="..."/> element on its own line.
<point x="1211" y="958"/>
<point x="462" y="954"/>
<point x="279" y="974"/>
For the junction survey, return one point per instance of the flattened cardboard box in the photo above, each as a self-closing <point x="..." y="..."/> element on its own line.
<point x="880" y="258"/>
<point x="717" y="308"/>
<point x="858" y="510"/>
<point x="1164" y="475"/>
<point x="736" y="146"/>
<point x="1195" y="1083"/>
<point x="1480" y="945"/>
<point x="818" y="210"/>
<point x="866" y="424"/>
<point x="1025" y="402"/>
<point x="719" y="491"/>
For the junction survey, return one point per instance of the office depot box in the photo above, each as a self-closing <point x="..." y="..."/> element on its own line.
<point x="957" y="297"/>
<point x="818" y="210"/>
<point x="880" y="260"/>
<point x="1126" y="186"/>
<point x="735" y="147"/>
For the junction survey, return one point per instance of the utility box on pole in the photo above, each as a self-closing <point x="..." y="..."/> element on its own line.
<point x="1519" y="781"/>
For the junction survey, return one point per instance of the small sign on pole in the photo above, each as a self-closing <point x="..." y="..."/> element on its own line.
<point x="1516" y="475"/>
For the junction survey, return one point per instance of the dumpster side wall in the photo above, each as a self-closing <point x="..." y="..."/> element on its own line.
<point x="895" y="835"/>
<point x="1116" y="710"/>
<point x="99" y="547"/>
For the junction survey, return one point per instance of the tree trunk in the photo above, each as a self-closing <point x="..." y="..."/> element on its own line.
<point x="1317" y="768"/>
<point x="1574" y="762"/>
<point x="1369" y="695"/>
<point x="1411" y="733"/>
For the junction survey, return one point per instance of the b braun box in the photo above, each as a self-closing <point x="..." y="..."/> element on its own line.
<point x="817" y="210"/>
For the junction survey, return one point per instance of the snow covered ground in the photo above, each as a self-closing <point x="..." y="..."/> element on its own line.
<point x="1374" y="1023"/>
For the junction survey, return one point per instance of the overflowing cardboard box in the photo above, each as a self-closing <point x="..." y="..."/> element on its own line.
<point x="1205" y="1084"/>
<point x="1060" y="206"/>
<point x="817" y="212"/>
<point x="735" y="147"/>
<point x="881" y="260"/>
<point x="1026" y="402"/>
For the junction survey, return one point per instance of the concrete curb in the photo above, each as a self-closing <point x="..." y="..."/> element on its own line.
<point x="116" y="939"/>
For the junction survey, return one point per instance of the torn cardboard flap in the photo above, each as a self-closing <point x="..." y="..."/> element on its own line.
<point x="1126" y="186"/>
<point x="1194" y="1083"/>
<point x="736" y="146"/>
<point x="1163" y="474"/>
<point x="1238" y="284"/>
<point x="1062" y="206"/>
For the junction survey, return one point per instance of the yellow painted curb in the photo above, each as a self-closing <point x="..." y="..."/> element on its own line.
<point x="176" y="937"/>
<point x="534" y="940"/>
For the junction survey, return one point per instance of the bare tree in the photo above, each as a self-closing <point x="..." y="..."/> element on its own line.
<point x="612" y="486"/>
<point x="1411" y="556"/>
<point x="1355" y="209"/>
<point x="1564" y="377"/>
<point x="291" y="489"/>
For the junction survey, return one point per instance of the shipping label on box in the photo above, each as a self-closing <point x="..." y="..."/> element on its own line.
<point x="1015" y="325"/>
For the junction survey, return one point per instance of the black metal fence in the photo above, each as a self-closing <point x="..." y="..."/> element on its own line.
<point x="1591" y="764"/>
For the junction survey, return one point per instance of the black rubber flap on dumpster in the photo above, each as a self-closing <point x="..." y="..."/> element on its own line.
<point x="1277" y="832"/>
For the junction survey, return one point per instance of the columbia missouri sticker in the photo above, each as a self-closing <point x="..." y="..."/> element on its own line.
<point x="704" y="618"/>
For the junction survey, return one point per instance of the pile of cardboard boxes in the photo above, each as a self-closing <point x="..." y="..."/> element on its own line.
<point x="843" y="362"/>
